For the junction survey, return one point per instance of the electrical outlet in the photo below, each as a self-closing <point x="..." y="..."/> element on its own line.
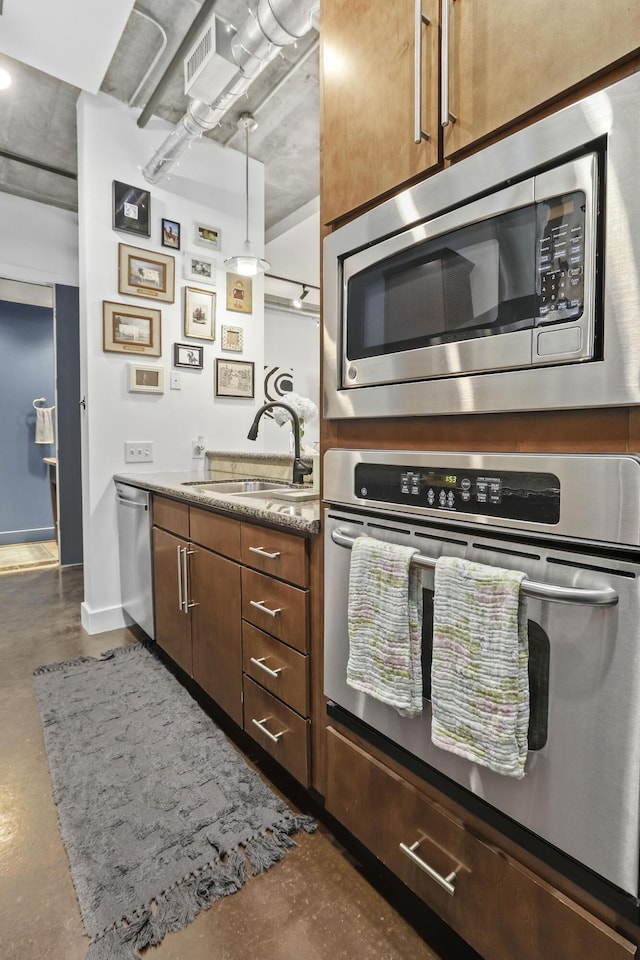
<point x="197" y="449"/>
<point x="138" y="451"/>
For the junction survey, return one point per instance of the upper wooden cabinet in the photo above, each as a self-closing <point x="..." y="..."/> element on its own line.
<point x="505" y="60"/>
<point x="370" y="74"/>
<point x="498" y="62"/>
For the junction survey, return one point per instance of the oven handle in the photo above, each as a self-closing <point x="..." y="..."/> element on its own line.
<point x="603" y="597"/>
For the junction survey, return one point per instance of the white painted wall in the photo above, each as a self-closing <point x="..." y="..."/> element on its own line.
<point x="38" y="243"/>
<point x="207" y="186"/>
<point x="292" y="340"/>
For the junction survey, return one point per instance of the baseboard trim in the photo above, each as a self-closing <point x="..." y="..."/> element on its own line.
<point x="100" y="621"/>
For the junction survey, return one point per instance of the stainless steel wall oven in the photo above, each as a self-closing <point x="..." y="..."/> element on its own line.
<point x="504" y="282"/>
<point x="572" y="525"/>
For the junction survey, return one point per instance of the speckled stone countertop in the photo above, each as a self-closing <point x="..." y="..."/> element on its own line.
<point x="302" y="517"/>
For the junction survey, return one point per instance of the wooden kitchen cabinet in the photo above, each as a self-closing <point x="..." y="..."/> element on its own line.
<point x="497" y="905"/>
<point x="173" y="628"/>
<point x="506" y="60"/>
<point x="368" y="112"/>
<point x="502" y="63"/>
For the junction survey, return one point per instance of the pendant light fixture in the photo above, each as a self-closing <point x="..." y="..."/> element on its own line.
<point x="246" y="264"/>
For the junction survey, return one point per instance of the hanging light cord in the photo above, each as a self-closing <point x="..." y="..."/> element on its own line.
<point x="246" y="182"/>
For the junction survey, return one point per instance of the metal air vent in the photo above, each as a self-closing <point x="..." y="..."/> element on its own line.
<point x="209" y="65"/>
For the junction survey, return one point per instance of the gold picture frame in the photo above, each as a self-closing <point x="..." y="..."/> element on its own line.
<point x="146" y="273"/>
<point x="239" y="293"/>
<point x="199" y="313"/>
<point x="128" y="328"/>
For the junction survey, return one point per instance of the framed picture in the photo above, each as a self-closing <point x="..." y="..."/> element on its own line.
<point x="234" y="378"/>
<point x="145" y="379"/>
<point x="239" y="293"/>
<point x="145" y="273"/>
<point x="188" y="355"/>
<point x="170" y="234"/>
<point x="131" y="329"/>
<point x="231" y="339"/>
<point x="207" y="236"/>
<point x="131" y="209"/>
<point x="199" y="267"/>
<point x="199" y="313"/>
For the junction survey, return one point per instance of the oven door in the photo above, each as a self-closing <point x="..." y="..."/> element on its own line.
<point x="580" y="792"/>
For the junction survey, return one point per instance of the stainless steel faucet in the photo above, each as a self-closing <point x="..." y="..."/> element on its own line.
<point x="300" y="469"/>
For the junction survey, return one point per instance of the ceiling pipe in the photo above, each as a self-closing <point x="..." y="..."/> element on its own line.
<point x="273" y="25"/>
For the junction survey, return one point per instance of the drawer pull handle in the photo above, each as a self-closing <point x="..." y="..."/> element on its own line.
<point x="259" y="662"/>
<point x="264" y="553"/>
<point x="447" y="883"/>
<point x="272" y="736"/>
<point x="259" y="605"/>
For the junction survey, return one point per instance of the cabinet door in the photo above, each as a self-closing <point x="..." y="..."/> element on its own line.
<point x="369" y="103"/>
<point x="216" y="629"/>
<point x="504" y="60"/>
<point x="173" y="627"/>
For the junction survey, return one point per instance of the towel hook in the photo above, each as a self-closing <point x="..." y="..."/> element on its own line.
<point x="37" y="401"/>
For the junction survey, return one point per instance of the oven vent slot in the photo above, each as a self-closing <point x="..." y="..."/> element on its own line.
<point x="438" y="539"/>
<point x="629" y="574"/>
<point x="350" y="520"/>
<point x="509" y="553"/>
<point x="379" y="526"/>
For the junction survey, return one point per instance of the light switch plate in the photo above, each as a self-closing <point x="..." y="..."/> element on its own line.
<point x="138" y="451"/>
<point x="175" y="381"/>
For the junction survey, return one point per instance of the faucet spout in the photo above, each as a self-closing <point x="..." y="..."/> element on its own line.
<point x="300" y="469"/>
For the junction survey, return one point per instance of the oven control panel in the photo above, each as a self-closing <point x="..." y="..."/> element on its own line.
<point x="508" y="493"/>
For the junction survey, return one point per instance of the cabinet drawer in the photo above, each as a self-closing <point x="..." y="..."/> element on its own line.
<point x="219" y="533"/>
<point x="171" y="515"/>
<point x="262" y="653"/>
<point x="501" y="908"/>
<point x="288" y="742"/>
<point x="278" y="554"/>
<point x="275" y="607"/>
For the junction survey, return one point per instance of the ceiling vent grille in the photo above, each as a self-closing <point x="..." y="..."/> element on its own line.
<point x="209" y="66"/>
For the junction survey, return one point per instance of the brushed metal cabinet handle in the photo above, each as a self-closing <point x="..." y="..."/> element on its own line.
<point x="445" y="116"/>
<point x="260" y="725"/>
<point x="259" y="662"/>
<point x="180" y="599"/>
<point x="259" y="605"/>
<point x="419" y="19"/>
<point x="187" y="603"/>
<point x="447" y="883"/>
<point x="264" y="553"/>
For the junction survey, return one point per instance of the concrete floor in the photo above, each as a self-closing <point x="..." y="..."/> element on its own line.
<point x="317" y="904"/>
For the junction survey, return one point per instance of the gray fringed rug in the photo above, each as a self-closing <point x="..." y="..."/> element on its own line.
<point x="159" y="813"/>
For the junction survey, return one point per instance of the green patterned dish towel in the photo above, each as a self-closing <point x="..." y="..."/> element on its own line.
<point x="385" y="624"/>
<point x="479" y="672"/>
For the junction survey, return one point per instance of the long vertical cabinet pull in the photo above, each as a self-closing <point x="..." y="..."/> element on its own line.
<point x="445" y="116"/>
<point x="420" y="19"/>
<point x="180" y="590"/>
<point x="185" y="567"/>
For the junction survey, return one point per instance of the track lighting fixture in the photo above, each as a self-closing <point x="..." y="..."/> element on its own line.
<point x="297" y="302"/>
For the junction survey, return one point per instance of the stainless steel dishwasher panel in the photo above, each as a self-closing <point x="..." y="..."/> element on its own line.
<point x="134" y="538"/>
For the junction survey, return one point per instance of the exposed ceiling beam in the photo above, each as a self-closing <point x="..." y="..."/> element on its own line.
<point x="7" y="155"/>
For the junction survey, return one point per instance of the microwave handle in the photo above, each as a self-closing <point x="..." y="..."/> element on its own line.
<point x="445" y="116"/>
<point x="419" y="134"/>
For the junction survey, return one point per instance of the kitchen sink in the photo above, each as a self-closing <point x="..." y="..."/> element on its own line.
<point x="238" y="486"/>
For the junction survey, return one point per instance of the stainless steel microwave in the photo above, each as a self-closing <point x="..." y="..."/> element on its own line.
<point x="508" y="281"/>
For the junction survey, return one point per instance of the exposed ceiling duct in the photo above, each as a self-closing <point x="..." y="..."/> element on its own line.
<point x="230" y="61"/>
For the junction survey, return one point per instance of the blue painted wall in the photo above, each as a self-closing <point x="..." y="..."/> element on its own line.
<point x="26" y="372"/>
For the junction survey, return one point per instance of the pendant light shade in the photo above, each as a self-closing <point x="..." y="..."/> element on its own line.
<point x="246" y="263"/>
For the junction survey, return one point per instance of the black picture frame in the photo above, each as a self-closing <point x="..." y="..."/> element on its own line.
<point x="131" y="209"/>
<point x="189" y="356"/>
<point x="235" y="378"/>
<point x="170" y="234"/>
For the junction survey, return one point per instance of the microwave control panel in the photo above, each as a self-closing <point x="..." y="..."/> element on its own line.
<point x="560" y="258"/>
<point x="509" y="494"/>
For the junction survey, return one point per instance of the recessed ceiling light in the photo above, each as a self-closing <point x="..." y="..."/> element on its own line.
<point x="5" y="79"/>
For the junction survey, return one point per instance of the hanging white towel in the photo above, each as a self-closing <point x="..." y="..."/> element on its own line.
<point x="44" y="424"/>
<point x="385" y="624"/>
<point x="479" y="672"/>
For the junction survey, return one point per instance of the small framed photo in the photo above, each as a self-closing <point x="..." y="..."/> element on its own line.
<point x="234" y="378"/>
<point x="231" y="338"/>
<point x="207" y="236"/>
<point x="239" y="293"/>
<point x="145" y="379"/>
<point x="188" y="355"/>
<point x="131" y="329"/>
<point x="199" y="267"/>
<point x="131" y="209"/>
<point x="145" y="273"/>
<point x="199" y="313"/>
<point x="170" y="234"/>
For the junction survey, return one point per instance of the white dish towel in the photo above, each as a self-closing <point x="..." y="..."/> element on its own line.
<point x="385" y="624"/>
<point x="44" y="424"/>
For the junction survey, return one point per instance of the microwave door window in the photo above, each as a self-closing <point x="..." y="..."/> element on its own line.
<point x="476" y="281"/>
